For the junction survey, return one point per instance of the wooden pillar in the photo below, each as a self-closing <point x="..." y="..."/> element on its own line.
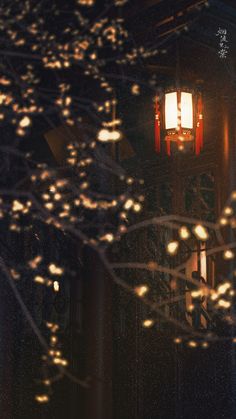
<point x="227" y="148"/>
<point x="7" y="304"/>
<point x="98" y="324"/>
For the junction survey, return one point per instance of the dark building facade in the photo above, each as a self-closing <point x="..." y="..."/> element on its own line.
<point x="137" y="373"/>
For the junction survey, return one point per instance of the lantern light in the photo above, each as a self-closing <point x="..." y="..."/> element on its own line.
<point x="171" y="111"/>
<point x="183" y="120"/>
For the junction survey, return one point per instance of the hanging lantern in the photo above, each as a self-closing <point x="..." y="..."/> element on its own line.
<point x="182" y="116"/>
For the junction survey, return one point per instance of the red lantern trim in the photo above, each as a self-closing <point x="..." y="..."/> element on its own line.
<point x="157" y="127"/>
<point x="168" y="147"/>
<point x="199" y="128"/>
<point x="187" y="134"/>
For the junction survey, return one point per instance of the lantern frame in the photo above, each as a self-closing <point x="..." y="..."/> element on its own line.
<point x="179" y="134"/>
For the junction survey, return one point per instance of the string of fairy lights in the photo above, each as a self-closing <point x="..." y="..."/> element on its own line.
<point x="219" y="296"/>
<point x="46" y="51"/>
<point x="32" y="84"/>
<point x="35" y="51"/>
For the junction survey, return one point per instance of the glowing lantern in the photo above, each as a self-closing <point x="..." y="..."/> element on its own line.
<point x="182" y="120"/>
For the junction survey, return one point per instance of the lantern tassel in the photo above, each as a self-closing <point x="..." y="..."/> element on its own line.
<point x="168" y="148"/>
<point x="199" y="129"/>
<point x="157" y="127"/>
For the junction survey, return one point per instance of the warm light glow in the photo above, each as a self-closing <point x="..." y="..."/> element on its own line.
<point x="171" y="110"/>
<point x="224" y="304"/>
<point x="42" y="398"/>
<point x="25" y="122"/>
<point x="35" y="262"/>
<point x="200" y="232"/>
<point x="184" y="233"/>
<point x="172" y="247"/>
<point x="56" y="286"/>
<point x="186" y="110"/>
<point x="39" y="279"/>
<point x="233" y="196"/>
<point x="228" y="254"/>
<point x="109" y="237"/>
<point x="177" y="341"/>
<point x="223" y="221"/>
<point x="137" y="207"/>
<point x="128" y="204"/>
<point x="192" y="344"/>
<point x="223" y="288"/>
<point x="191" y="307"/>
<point x="17" y="206"/>
<point x="214" y="296"/>
<point x="105" y="135"/>
<point x="196" y="294"/>
<point x="148" y="323"/>
<point x="205" y="345"/>
<point x="55" y="270"/>
<point x="141" y="290"/>
<point x="228" y="211"/>
<point x="203" y="260"/>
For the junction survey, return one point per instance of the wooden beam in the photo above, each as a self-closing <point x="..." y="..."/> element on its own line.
<point x="186" y="73"/>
